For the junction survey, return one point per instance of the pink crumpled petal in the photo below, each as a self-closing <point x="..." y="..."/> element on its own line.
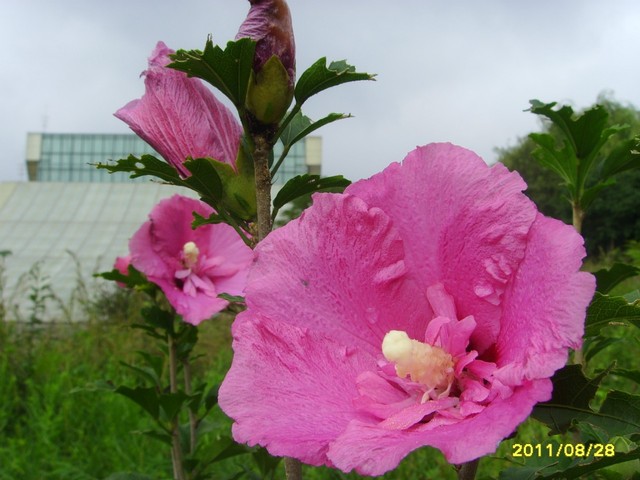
<point x="342" y="270"/>
<point x="180" y="117"/>
<point x="314" y="375"/>
<point x="372" y="450"/>
<point x="468" y="233"/>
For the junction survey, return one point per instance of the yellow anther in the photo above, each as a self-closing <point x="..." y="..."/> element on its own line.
<point x="424" y="363"/>
<point x="190" y="254"/>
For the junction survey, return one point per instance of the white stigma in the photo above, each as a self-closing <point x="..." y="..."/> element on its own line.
<point x="190" y="254"/>
<point x="424" y="363"/>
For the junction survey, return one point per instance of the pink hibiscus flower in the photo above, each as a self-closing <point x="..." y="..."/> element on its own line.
<point x="180" y="117"/>
<point x="427" y="305"/>
<point x="190" y="266"/>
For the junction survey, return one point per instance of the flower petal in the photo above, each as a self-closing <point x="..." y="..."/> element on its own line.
<point x="372" y="450"/>
<point x="171" y="226"/>
<point x="338" y="269"/>
<point x="234" y="257"/>
<point x="545" y="305"/>
<point x="464" y="224"/>
<point x="193" y="308"/>
<point x="180" y="117"/>
<point x="143" y="257"/>
<point x="299" y="399"/>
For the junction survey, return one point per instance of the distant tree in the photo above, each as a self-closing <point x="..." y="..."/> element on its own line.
<point x="614" y="217"/>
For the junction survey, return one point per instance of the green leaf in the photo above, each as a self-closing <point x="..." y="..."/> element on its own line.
<point x="584" y="132"/>
<point x="266" y="463"/>
<point x="298" y="127"/>
<point x="606" y="310"/>
<point x="155" y="362"/>
<point x="305" y="184"/>
<point x="146" y="165"/>
<point x="163" y="437"/>
<point x="608" y="278"/>
<point x="228" y="70"/>
<point x="199" y="220"/>
<point x="156" y="317"/>
<point x="301" y="126"/>
<point x="133" y="279"/>
<point x="633" y="375"/>
<point x="632" y="296"/>
<point x="195" y="400"/>
<point x="619" y="414"/>
<point x="572" y="392"/>
<point x="171" y="403"/>
<point x="231" y="298"/>
<point x="596" y="345"/>
<point x="623" y="157"/>
<point x="318" y="78"/>
<point x="146" y="373"/>
<point x="204" y="178"/>
<point x="590" y="194"/>
<point x="211" y="398"/>
<point x="584" y="468"/>
<point x="224" y="447"/>
<point x="219" y="185"/>
<point x="270" y="92"/>
<point x="146" y="397"/>
<point x="563" y="162"/>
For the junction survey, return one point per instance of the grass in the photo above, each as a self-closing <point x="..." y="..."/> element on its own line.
<point x="56" y="425"/>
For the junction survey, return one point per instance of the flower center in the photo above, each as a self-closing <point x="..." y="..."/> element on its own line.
<point x="190" y="254"/>
<point x="426" y="364"/>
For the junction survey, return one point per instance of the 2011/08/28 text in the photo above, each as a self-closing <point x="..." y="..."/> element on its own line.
<point x="563" y="449"/>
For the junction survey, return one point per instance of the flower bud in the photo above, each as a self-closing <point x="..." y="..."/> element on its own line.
<point x="274" y="65"/>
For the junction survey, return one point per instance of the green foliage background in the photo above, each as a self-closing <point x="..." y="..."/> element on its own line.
<point x="614" y="217"/>
<point x="56" y="425"/>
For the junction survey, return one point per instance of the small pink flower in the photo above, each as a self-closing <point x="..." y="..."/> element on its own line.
<point x="122" y="265"/>
<point x="427" y="305"/>
<point x="190" y="266"/>
<point x="180" y="117"/>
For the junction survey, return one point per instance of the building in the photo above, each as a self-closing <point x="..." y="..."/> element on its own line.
<point x="72" y="212"/>
<point x="69" y="157"/>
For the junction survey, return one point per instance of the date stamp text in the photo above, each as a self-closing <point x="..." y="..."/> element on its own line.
<point x="579" y="450"/>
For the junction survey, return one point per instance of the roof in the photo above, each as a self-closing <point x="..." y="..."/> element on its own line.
<point x="49" y="224"/>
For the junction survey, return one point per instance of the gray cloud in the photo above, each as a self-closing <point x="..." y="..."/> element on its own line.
<point x="447" y="71"/>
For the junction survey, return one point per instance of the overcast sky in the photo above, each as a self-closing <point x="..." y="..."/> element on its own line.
<point x="460" y="71"/>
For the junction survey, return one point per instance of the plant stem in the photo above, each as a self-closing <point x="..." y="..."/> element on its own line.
<point x="263" y="185"/>
<point x="193" y="421"/>
<point x="467" y="471"/>
<point x="293" y="469"/>
<point x="176" y="450"/>
<point x="578" y="216"/>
